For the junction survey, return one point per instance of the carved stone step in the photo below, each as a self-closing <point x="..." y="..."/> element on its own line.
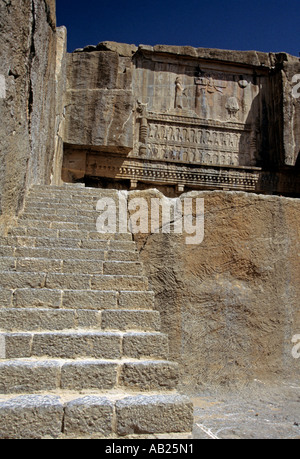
<point x="45" y="218"/>
<point x="38" y="416"/>
<point x="32" y="211"/>
<point x="30" y="297"/>
<point x="70" y="191"/>
<point x="77" y="344"/>
<point x="57" y="225"/>
<point x="36" y="238"/>
<point x="70" y="266"/>
<point x="33" y="375"/>
<point x="77" y="320"/>
<point x="13" y="280"/>
<point x="33" y="205"/>
<point x="38" y="229"/>
<point x="34" y="319"/>
<point x="68" y="253"/>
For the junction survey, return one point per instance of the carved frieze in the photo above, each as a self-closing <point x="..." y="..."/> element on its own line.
<point x="187" y="139"/>
<point x="198" y="116"/>
<point x="182" y="116"/>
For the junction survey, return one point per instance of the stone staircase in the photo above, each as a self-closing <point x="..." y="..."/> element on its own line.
<point x="81" y="352"/>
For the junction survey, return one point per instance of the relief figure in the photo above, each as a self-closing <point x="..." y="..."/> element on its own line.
<point x="179" y="93"/>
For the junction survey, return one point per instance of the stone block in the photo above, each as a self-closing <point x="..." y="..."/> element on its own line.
<point x="6" y="251"/>
<point x="17" y="345"/>
<point x="110" y="282"/>
<point x="7" y="264"/>
<point x="82" y="266"/>
<point x="79" y="254"/>
<point x="136" y="300"/>
<point x="122" y="255"/>
<point x="31" y="417"/>
<point x="154" y="414"/>
<point x="26" y="320"/>
<point x="32" y="252"/>
<point x="67" y="281"/>
<point x="89" y="299"/>
<point x="131" y="320"/>
<point x="37" y="297"/>
<point x="114" y="130"/>
<point x="55" y="243"/>
<point x="149" y="375"/>
<point x="116" y="244"/>
<point x="138" y="345"/>
<point x="88" y="415"/>
<point x="15" y="280"/>
<point x="28" y="376"/>
<point x="86" y="374"/>
<point x="43" y="265"/>
<point x="88" y="319"/>
<point x="5" y="297"/>
<point x="123" y="268"/>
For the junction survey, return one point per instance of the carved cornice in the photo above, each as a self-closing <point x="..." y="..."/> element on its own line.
<point x="156" y="172"/>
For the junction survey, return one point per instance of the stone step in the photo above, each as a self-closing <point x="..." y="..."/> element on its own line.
<point x="37" y="209"/>
<point x="71" y="238"/>
<point x="71" y="231"/>
<point x="68" y="253"/>
<point x="79" y="200"/>
<point x="35" y="231"/>
<point x="30" y="297"/>
<point x="58" y="208"/>
<point x="84" y="344"/>
<point x="98" y="415"/>
<point x="44" y="217"/>
<point x="80" y="234"/>
<point x="38" y="375"/>
<point x="58" y="225"/>
<point x="65" y="191"/>
<point x="33" y="319"/>
<point x="91" y="194"/>
<point x="66" y="281"/>
<point x="35" y="239"/>
<point x="78" y="331"/>
<point x="47" y="265"/>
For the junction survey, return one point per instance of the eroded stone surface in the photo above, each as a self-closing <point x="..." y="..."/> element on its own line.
<point x="230" y="303"/>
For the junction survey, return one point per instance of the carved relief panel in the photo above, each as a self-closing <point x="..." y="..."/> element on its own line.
<point x="185" y="113"/>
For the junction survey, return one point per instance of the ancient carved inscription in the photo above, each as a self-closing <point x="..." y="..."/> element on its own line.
<point x="198" y="119"/>
<point x="173" y="138"/>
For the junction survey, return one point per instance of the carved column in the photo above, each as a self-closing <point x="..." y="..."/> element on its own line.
<point x="142" y="110"/>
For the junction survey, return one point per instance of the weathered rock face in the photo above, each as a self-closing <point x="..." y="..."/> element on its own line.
<point x="99" y="90"/>
<point x="28" y="108"/>
<point x="230" y="304"/>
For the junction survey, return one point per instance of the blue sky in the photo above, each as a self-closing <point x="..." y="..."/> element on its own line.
<point x="269" y="26"/>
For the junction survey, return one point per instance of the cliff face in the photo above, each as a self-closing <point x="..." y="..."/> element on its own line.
<point x="230" y="304"/>
<point x="28" y="42"/>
